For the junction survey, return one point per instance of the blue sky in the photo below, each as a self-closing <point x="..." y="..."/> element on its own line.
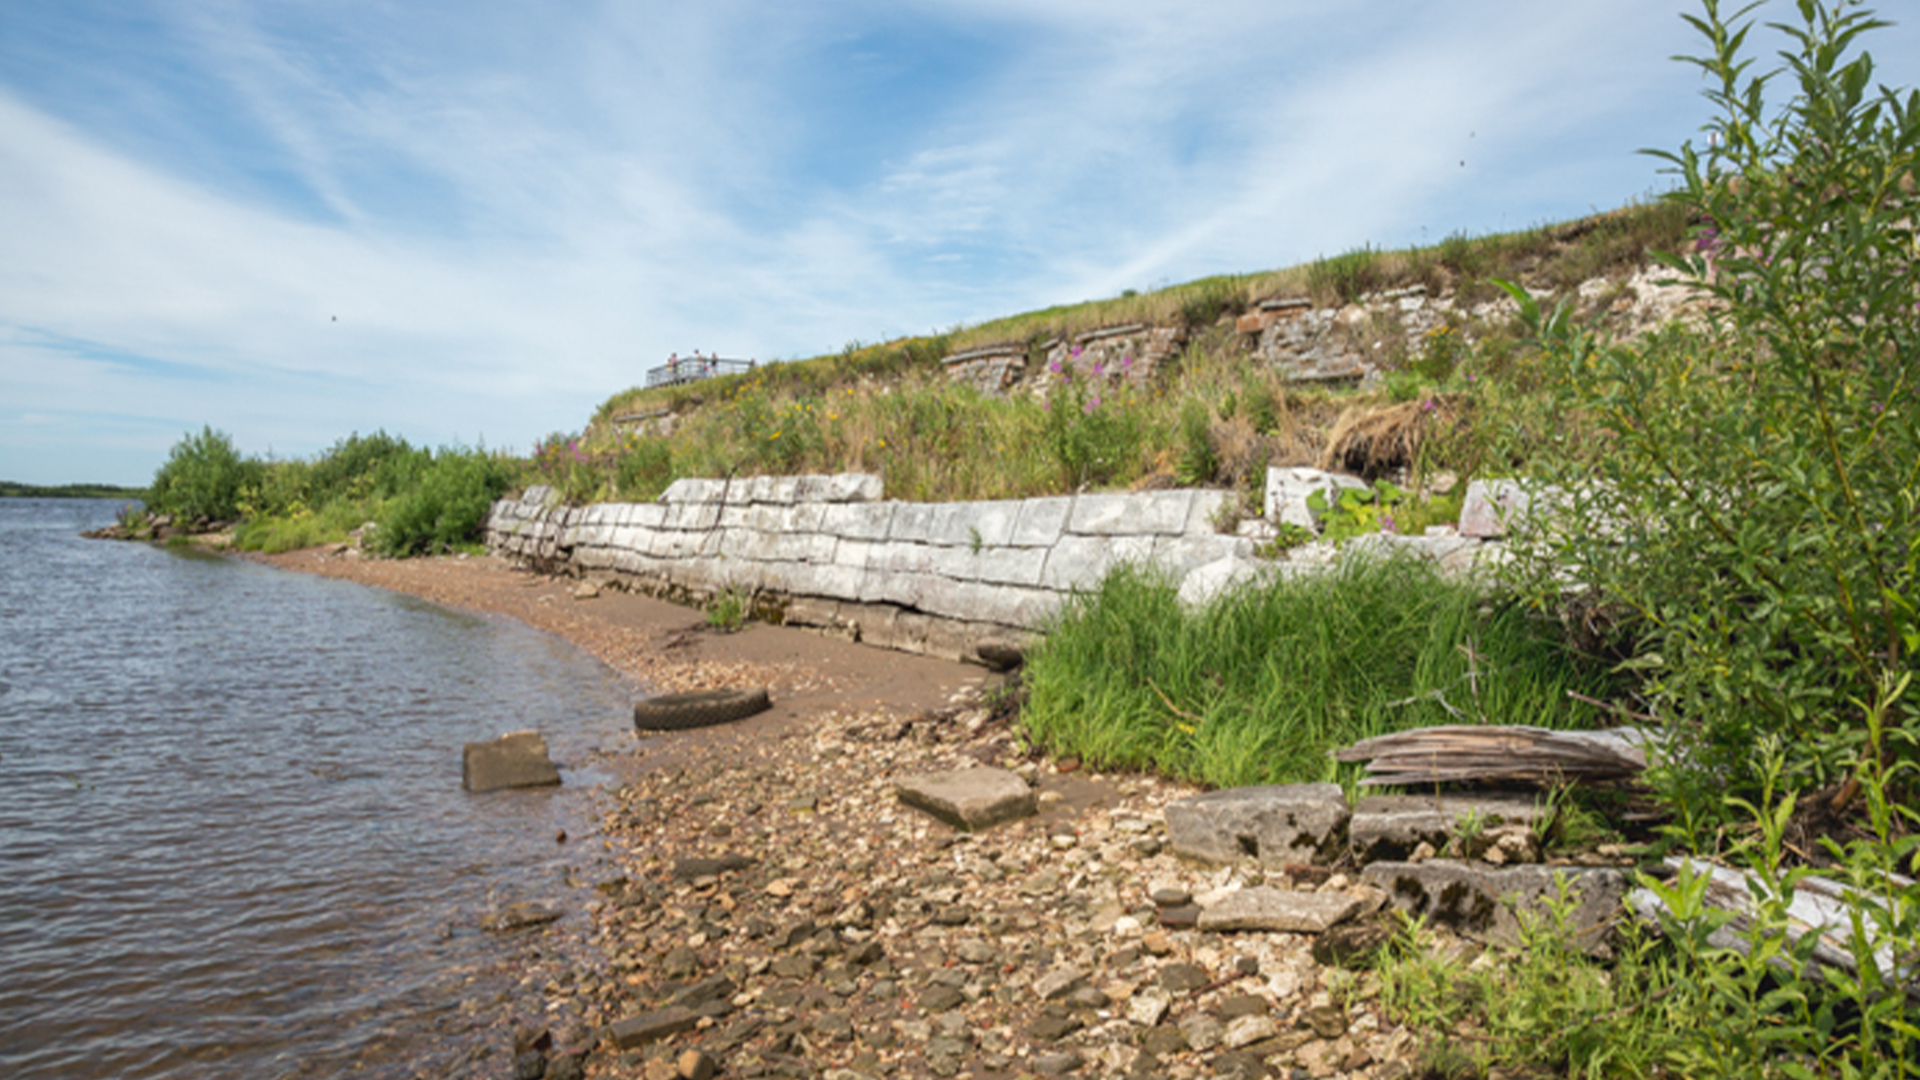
<point x="475" y="221"/>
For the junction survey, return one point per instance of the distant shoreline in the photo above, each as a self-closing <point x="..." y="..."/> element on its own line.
<point x="11" y="490"/>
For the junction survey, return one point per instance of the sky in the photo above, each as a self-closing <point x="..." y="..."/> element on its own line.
<point x="472" y="223"/>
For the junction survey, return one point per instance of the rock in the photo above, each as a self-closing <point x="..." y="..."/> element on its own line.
<point x="1056" y="1064"/>
<point x="1493" y="507"/>
<point x="717" y="988"/>
<point x="1353" y="945"/>
<point x="565" y="1067"/>
<point x="521" y="915"/>
<point x="1327" y="1021"/>
<point x="529" y="1065"/>
<point x="1054" y="1028"/>
<point x="1239" y="1066"/>
<point x="1263" y="908"/>
<point x="1388" y="827"/>
<point x="690" y="868"/>
<point x="680" y="962"/>
<point x="1276" y="824"/>
<point x="636" y="1031"/>
<point x="1170" y="897"/>
<point x="1244" y="1031"/>
<point x="694" y="1065"/>
<point x="974" y="798"/>
<point x="1241" y="1005"/>
<point x="1202" y="1031"/>
<point x="585" y="590"/>
<point x="1164" y="1040"/>
<point x="1480" y="901"/>
<point x="1058" y="983"/>
<point x="1149" y="1007"/>
<point x="1182" y="978"/>
<point x="941" y="998"/>
<point x="1288" y="490"/>
<point x="518" y="759"/>
<point x="1179" y="918"/>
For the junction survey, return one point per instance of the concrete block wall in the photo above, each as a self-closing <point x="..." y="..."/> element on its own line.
<point x="829" y="552"/>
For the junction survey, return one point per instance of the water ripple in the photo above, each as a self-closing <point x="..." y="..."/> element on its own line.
<point x="230" y="813"/>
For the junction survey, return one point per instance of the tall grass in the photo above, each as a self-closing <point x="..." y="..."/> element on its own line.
<point x="1258" y="686"/>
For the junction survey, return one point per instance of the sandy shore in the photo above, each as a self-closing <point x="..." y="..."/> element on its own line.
<point x="762" y="904"/>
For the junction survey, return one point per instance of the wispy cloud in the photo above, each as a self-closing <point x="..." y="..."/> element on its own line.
<point x="293" y="221"/>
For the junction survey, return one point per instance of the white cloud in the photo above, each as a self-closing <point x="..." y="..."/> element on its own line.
<point x="512" y="211"/>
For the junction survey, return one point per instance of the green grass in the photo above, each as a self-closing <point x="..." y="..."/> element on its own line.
<point x="1258" y="686"/>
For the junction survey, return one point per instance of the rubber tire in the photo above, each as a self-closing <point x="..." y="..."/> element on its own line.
<point x="700" y="708"/>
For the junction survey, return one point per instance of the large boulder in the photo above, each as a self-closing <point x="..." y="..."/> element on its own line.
<point x="514" y="760"/>
<point x="1491" y="904"/>
<point x="1279" y="824"/>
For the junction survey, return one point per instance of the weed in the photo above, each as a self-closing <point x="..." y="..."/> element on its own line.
<point x="728" y="610"/>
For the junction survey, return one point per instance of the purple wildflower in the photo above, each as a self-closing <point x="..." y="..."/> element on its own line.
<point x="1092" y="404"/>
<point x="1054" y="367"/>
<point x="1429" y="405"/>
<point x="1387" y="525"/>
<point x="1126" y="362"/>
<point x="1075" y="353"/>
<point x="1099" y="367"/>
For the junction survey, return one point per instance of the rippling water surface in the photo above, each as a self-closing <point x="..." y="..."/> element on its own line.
<point x="233" y="840"/>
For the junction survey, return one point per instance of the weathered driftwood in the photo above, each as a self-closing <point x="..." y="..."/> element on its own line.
<point x="1498" y="753"/>
<point x="1819" y="906"/>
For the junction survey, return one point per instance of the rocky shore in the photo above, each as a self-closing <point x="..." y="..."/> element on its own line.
<point x="762" y="903"/>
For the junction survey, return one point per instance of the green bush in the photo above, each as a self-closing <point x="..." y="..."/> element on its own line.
<point x="1256" y="687"/>
<point x="446" y="506"/>
<point x="1754" y="525"/>
<point x="204" y="478"/>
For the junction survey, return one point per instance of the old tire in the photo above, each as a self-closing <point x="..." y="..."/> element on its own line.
<point x="701" y="708"/>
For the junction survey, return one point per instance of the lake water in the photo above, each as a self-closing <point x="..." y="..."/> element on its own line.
<point x="233" y="841"/>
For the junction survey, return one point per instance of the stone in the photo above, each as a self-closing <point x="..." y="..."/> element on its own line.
<point x="1148" y="1007"/>
<point x="1058" y="983"/>
<point x="1244" y="1031"/>
<point x="1281" y="910"/>
<point x="1054" y="1028"/>
<point x="644" y="1028"/>
<point x="521" y="915"/>
<point x="1387" y="827"/>
<point x="1276" y="824"/>
<point x="1202" y="1031"/>
<point x="694" y="1065"/>
<point x="941" y="998"/>
<point x="1492" y="507"/>
<point x="1239" y="1066"/>
<point x="1056" y="1064"/>
<point x="690" y="868"/>
<point x="1483" y="902"/>
<point x="1182" y="978"/>
<point x="1327" y="1021"/>
<point x="518" y="759"/>
<point x="1170" y="896"/>
<point x="1353" y="945"/>
<point x="1288" y="490"/>
<point x="1180" y="918"/>
<point x="1164" y="1040"/>
<point x="976" y="798"/>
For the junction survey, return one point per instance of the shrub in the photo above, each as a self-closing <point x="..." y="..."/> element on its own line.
<point x="445" y="507"/>
<point x="1755" y="523"/>
<point x="203" y="478"/>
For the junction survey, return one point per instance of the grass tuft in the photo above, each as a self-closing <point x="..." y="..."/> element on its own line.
<point x="1256" y="687"/>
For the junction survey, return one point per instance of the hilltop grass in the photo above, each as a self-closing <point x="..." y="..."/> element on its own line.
<point x="1554" y="257"/>
<point x="1258" y="686"/>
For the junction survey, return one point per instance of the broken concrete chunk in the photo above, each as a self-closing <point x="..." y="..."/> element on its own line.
<point x="969" y="798"/>
<point x="1262" y="908"/>
<point x="1488" y="903"/>
<point x="1278" y="824"/>
<point x="1392" y="826"/>
<point x="515" y="760"/>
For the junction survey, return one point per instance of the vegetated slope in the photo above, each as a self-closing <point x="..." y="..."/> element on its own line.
<point x="1402" y="364"/>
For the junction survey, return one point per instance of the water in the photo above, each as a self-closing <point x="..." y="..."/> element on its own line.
<point x="233" y="840"/>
